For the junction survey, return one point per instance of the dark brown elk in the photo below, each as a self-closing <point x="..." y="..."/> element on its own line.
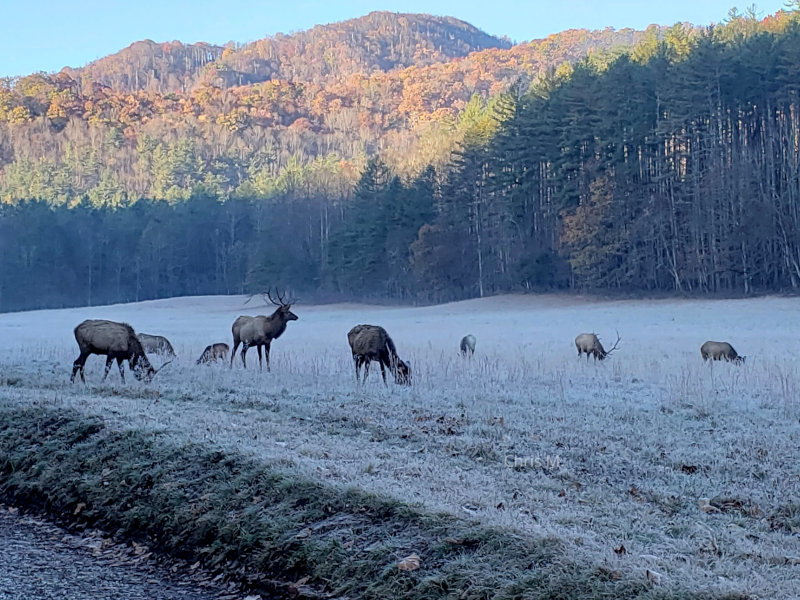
<point x="467" y="345"/>
<point x="590" y="344"/>
<point x="155" y="344"/>
<point x="118" y="342"/>
<point x="371" y="342"/>
<point x="720" y="351"/>
<point x="260" y="330"/>
<point x="213" y="353"/>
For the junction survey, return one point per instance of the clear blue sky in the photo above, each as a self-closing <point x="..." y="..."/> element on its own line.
<point x="58" y="33"/>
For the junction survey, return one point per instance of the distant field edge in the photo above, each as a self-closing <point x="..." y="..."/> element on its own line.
<point x="275" y="533"/>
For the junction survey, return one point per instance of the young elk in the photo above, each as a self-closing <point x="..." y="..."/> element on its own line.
<point x="371" y="342"/>
<point x="468" y="345"/>
<point x="720" y="351"/>
<point x="260" y="330"/>
<point x="590" y="344"/>
<point x="213" y="353"/>
<point x="115" y="340"/>
<point x="156" y="344"/>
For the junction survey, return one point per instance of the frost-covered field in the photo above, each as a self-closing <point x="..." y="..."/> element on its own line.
<point x="607" y="455"/>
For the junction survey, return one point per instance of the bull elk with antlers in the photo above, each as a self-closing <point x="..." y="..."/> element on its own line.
<point x="260" y="330"/>
<point x="118" y="342"/>
<point x="590" y="344"/>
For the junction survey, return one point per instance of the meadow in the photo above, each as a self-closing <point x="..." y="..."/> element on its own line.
<point x="651" y="465"/>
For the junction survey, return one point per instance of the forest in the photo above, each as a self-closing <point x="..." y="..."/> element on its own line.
<point x="409" y="158"/>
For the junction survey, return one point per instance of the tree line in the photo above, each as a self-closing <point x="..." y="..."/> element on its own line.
<point x="672" y="167"/>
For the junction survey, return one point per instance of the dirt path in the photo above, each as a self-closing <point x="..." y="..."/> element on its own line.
<point x="41" y="561"/>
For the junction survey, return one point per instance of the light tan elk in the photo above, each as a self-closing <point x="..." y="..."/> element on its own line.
<point x="260" y="330"/>
<point x="371" y="342"/>
<point x="213" y="353"/>
<point x="118" y="342"/>
<point x="467" y="345"/>
<point x="590" y="344"/>
<point x="156" y="344"/>
<point x="720" y="351"/>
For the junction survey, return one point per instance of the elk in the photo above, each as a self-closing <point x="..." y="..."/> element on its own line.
<point x="259" y="331"/>
<point x="156" y="344"/>
<point x="371" y="342"/>
<point x="213" y="353"/>
<point x="115" y="340"/>
<point x="720" y="351"/>
<point x="590" y="344"/>
<point x="468" y="345"/>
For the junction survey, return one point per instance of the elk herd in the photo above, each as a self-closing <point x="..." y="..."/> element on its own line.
<point x="368" y="343"/>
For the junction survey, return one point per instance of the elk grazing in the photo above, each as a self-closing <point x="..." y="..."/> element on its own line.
<point x="721" y="351"/>
<point x="115" y="340"/>
<point x="370" y="342"/>
<point x="155" y="344"/>
<point x="468" y="345"/>
<point x="590" y="344"/>
<point x="213" y="353"/>
<point x="260" y="330"/>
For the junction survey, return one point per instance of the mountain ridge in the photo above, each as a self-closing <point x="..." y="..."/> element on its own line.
<point x="160" y="119"/>
<point x="371" y="43"/>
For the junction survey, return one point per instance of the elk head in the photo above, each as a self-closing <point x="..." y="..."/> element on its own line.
<point x="402" y="373"/>
<point x="608" y="352"/>
<point x="284" y="307"/>
<point x="142" y="369"/>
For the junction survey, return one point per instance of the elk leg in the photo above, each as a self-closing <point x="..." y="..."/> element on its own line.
<point x="383" y="372"/>
<point x="366" y="369"/>
<point x="233" y="354"/>
<point x="121" y="368"/>
<point x="109" y="360"/>
<point x="260" y="366"/>
<point x="266" y="353"/>
<point x="244" y="351"/>
<point x="78" y="365"/>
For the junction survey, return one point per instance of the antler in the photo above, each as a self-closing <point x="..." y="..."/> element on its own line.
<point x="614" y="347"/>
<point x="281" y="298"/>
<point x="271" y="299"/>
<point x="155" y="372"/>
<point x="268" y="296"/>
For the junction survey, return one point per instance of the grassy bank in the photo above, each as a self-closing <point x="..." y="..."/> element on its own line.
<point x="261" y="526"/>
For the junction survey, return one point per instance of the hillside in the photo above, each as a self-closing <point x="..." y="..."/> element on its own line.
<point x="147" y="66"/>
<point x="379" y="41"/>
<point x="158" y="120"/>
